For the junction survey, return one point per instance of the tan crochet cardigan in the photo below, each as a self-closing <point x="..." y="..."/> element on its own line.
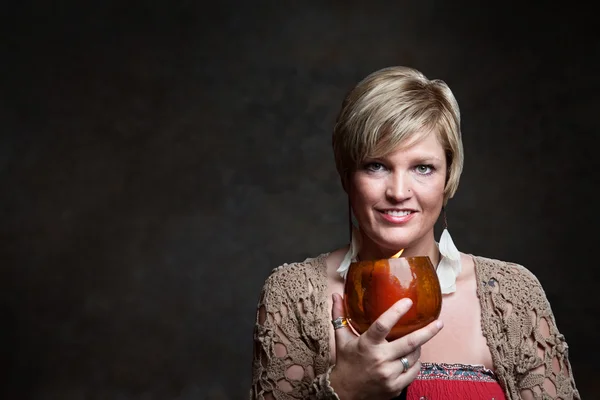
<point x="295" y="333"/>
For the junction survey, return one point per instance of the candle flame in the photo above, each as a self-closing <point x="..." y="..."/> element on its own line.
<point x="398" y="254"/>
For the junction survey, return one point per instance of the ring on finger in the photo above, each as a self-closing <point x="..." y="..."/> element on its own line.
<point x="339" y="322"/>
<point x="405" y="363"/>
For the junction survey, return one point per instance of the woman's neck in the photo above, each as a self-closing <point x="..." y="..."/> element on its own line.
<point x="370" y="251"/>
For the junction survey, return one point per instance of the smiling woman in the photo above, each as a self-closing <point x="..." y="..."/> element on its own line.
<point x="398" y="197"/>
<point x="398" y="150"/>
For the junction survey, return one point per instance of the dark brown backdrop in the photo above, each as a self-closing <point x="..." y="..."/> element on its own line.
<point x="159" y="158"/>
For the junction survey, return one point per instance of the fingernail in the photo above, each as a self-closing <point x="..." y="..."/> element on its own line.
<point x="439" y="324"/>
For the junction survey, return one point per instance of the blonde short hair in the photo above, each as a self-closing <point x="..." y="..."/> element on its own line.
<point x="391" y="106"/>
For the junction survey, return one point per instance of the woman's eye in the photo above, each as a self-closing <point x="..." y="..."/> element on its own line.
<point x="374" y="166"/>
<point x="424" y="169"/>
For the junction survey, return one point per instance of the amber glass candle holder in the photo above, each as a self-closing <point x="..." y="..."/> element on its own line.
<point x="372" y="287"/>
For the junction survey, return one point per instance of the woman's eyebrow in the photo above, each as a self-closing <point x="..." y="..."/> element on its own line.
<point x="428" y="159"/>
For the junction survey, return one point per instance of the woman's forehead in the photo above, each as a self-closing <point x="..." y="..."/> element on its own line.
<point x="425" y="140"/>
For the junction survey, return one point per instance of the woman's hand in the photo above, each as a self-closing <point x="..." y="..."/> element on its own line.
<point x="368" y="366"/>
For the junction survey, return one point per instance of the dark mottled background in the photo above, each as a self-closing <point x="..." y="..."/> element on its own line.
<point x="159" y="158"/>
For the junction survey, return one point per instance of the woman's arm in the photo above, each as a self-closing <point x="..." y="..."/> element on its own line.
<point x="544" y="370"/>
<point x="291" y="348"/>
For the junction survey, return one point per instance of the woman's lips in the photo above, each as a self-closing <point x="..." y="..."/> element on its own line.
<point x="397" y="217"/>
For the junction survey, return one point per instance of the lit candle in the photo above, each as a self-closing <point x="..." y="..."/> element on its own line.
<point x="398" y="254"/>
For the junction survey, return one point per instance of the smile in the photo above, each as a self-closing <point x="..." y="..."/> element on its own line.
<point x="395" y="213"/>
<point x="397" y="216"/>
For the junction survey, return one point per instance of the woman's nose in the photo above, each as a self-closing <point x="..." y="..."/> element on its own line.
<point x="398" y="188"/>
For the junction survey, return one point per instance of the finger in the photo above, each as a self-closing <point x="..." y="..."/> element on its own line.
<point x="414" y="340"/>
<point x="406" y="377"/>
<point x="379" y="329"/>
<point x="342" y="335"/>
<point x="412" y="359"/>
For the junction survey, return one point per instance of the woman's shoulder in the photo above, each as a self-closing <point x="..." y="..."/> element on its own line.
<point x="299" y="275"/>
<point x="314" y="262"/>
<point x="506" y="277"/>
<point x="505" y="269"/>
<point x="301" y="286"/>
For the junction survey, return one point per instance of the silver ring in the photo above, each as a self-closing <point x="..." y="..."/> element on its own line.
<point x="339" y="322"/>
<point x="405" y="363"/>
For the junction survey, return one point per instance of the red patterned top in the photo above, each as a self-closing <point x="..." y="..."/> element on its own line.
<point x="455" y="381"/>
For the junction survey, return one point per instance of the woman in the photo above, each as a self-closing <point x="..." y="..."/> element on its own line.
<point x="398" y="150"/>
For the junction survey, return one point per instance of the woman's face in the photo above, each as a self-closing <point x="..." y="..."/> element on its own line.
<point x="397" y="198"/>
